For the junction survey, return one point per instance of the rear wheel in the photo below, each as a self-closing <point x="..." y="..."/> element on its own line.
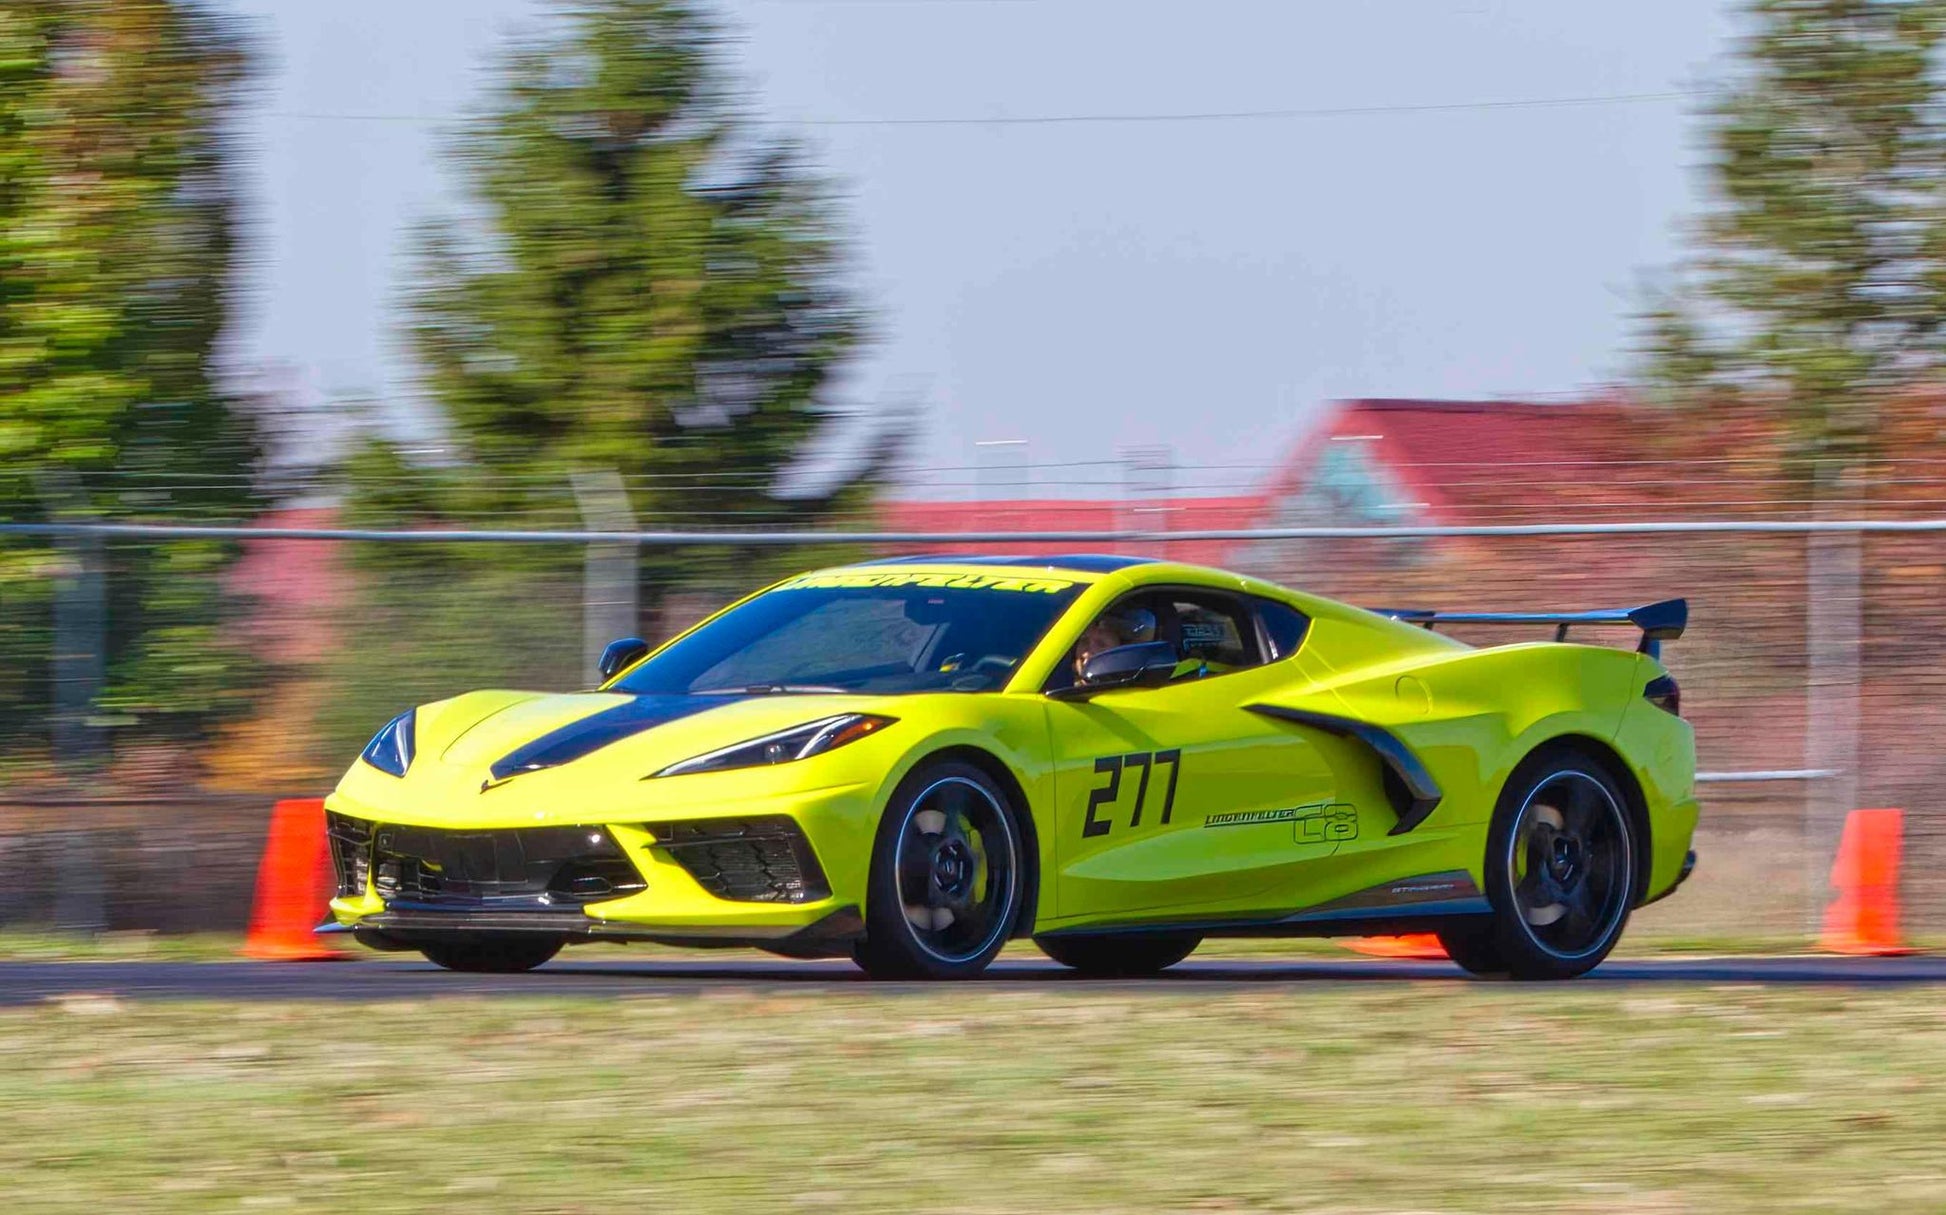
<point x="497" y="955"/>
<point x="1472" y="948"/>
<point x="1121" y="955"/>
<point x="945" y="885"/>
<point x="1560" y="870"/>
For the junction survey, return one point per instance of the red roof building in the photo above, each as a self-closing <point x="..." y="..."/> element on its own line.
<point x="1374" y="463"/>
<point x="1080" y="515"/>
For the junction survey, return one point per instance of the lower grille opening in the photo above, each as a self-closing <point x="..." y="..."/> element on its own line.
<point x="542" y="866"/>
<point x="351" y="853"/>
<point x="746" y="860"/>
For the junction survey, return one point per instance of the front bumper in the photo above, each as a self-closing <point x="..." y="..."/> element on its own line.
<point x="785" y="872"/>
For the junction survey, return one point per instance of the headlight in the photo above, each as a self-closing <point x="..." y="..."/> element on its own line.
<point x="798" y="742"/>
<point x="391" y="748"/>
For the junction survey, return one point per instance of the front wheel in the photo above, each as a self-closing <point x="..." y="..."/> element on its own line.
<point x="946" y="878"/>
<point x="1560" y="870"/>
<point x="493" y="955"/>
<point x="1120" y="956"/>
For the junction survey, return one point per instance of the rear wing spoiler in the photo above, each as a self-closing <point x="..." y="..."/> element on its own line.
<point x="1659" y="622"/>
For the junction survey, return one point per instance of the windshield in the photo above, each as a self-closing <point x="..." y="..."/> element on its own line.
<point x="861" y="632"/>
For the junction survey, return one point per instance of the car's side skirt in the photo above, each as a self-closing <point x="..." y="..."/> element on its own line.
<point x="1414" y="904"/>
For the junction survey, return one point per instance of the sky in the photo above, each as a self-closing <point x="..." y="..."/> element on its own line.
<point x="1092" y="287"/>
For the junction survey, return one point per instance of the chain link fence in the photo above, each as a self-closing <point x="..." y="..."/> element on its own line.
<point x="1812" y="670"/>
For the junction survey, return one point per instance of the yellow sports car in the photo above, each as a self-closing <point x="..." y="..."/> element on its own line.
<point x="912" y="761"/>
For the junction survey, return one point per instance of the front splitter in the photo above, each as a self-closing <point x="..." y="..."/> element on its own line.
<point x="830" y="935"/>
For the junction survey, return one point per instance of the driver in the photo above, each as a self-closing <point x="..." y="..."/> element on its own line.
<point x="1114" y="627"/>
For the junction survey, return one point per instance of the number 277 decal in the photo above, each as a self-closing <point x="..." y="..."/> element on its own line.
<point x="1106" y="795"/>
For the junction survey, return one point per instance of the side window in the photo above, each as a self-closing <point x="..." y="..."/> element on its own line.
<point x="1130" y="620"/>
<point x="1208" y="627"/>
<point x="1283" y="627"/>
<point x="1215" y="629"/>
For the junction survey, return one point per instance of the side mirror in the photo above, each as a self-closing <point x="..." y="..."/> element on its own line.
<point x="619" y="654"/>
<point x="1146" y="664"/>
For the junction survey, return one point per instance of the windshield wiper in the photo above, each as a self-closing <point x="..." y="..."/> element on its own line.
<point x="771" y="689"/>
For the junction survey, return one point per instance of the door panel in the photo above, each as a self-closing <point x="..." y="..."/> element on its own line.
<point x="1177" y="798"/>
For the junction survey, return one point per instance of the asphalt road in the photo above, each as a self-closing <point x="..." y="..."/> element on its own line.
<point x="389" y="979"/>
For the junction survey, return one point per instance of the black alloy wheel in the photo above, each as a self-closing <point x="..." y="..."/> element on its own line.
<point x="1561" y="874"/>
<point x="946" y="880"/>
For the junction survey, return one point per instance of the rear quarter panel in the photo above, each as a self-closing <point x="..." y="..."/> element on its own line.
<point x="1660" y="749"/>
<point x="1472" y="715"/>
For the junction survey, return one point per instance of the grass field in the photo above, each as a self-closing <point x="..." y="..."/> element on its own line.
<point x="1323" y="1097"/>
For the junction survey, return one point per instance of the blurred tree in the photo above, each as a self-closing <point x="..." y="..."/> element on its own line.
<point x="642" y="285"/>
<point x="1819" y="285"/>
<point x="116" y="251"/>
<point x="1819" y="290"/>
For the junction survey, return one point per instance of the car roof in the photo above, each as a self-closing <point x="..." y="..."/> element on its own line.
<point x="1086" y="563"/>
<point x="1085" y="568"/>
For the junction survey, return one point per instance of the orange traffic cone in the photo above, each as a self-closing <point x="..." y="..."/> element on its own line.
<point x="294" y="885"/>
<point x="1864" y="918"/>
<point x="1421" y="946"/>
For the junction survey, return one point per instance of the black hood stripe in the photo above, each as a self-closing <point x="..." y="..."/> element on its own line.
<point x="597" y="730"/>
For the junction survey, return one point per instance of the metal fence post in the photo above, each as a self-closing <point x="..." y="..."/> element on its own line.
<point x="610" y="607"/>
<point x="1148" y="481"/>
<point x="80" y="642"/>
<point x="1833" y="631"/>
<point x="78" y="672"/>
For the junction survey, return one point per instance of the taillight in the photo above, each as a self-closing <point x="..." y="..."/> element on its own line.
<point x="1663" y="693"/>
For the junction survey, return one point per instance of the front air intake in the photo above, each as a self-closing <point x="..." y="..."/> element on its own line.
<point x="746" y="860"/>
<point x="351" y="853"/>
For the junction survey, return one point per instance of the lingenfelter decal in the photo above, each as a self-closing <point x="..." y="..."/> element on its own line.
<point x="1324" y="823"/>
<point x="1250" y="818"/>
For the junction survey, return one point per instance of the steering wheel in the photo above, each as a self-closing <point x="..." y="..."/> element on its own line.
<point x="997" y="661"/>
<point x="979" y="676"/>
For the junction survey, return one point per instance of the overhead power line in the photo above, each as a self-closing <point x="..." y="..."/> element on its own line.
<point x="1525" y="103"/>
<point x="1095" y="119"/>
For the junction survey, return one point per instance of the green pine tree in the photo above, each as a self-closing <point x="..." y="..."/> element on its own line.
<point x="1818" y="285"/>
<point x="117" y="244"/>
<point x="643" y="285"/>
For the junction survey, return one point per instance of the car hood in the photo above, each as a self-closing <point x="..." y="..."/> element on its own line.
<point x="489" y="738"/>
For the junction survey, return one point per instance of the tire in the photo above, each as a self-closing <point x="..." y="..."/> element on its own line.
<point x="1473" y="949"/>
<point x="947" y="874"/>
<point x="1561" y="872"/>
<point x="1121" y="955"/>
<point x="496" y="955"/>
